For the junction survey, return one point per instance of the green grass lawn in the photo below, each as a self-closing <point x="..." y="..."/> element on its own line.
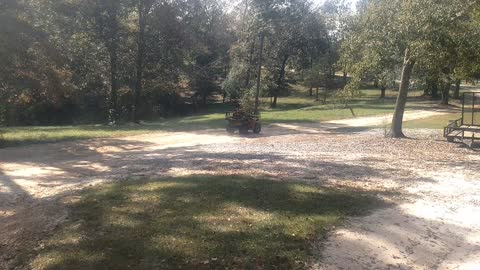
<point x="298" y="107"/>
<point x="436" y="122"/>
<point x="202" y="222"/>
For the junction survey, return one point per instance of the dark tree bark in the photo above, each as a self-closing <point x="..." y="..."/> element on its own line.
<point x="143" y="9"/>
<point x="383" y="89"/>
<point x="428" y="87"/>
<point x="259" y="73"/>
<point x="108" y="29"/>
<point x="280" y="80"/>
<point x="204" y="99"/>
<point x="435" y="89"/>
<point x="345" y="78"/>
<point x="397" y="121"/>
<point x="446" y="92"/>
<point x="456" y="94"/>
<point x="281" y="76"/>
<point x="311" y="82"/>
<point x="250" y="63"/>
<point x="113" y="51"/>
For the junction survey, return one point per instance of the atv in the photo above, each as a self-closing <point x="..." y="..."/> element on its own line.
<point x="243" y="122"/>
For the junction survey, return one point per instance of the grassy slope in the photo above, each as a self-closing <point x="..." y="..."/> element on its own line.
<point x="297" y="108"/>
<point x="436" y="122"/>
<point x="198" y="223"/>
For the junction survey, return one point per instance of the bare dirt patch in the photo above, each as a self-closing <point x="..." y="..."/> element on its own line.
<point x="433" y="184"/>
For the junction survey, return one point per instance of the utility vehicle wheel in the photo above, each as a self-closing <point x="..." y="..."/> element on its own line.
<point x="230" y="130"/>
<point x="258" y="128"/>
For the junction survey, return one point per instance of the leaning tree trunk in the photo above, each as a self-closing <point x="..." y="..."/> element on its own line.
<point x="397" y="121"/>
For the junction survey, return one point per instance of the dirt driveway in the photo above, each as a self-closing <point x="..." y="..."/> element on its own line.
<point x="434" y="223"/>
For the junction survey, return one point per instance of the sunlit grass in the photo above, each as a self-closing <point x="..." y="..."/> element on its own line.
<point x="435" y="122"/>
<point x="198" y="223"/>
<point x="298" y="107"/>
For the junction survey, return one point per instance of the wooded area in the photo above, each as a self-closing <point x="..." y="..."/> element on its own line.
<point x="239" y="134"/>
<point x="114" y="61"/>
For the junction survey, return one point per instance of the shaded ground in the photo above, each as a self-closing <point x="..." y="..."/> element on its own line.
<point x="198" y="222"/>
<point x="433" y="226"/>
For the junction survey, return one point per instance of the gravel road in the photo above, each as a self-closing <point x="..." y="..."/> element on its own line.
<point x="433" y="222"/>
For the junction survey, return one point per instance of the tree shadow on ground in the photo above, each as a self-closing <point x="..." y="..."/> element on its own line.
<point x="84" y="162"/>
<point x="199" y="223"/>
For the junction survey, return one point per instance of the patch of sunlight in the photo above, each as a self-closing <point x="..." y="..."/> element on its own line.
<point x="371" y="242"/>
<point x="98" y="167"/>
<point x="69" y="237"/>
<point x="6" y="213"/>
<point x="129" y="209"/>
<point x="124" y="221"/>
<point x="26" y="170"/>
<point x="55" y="259"/>
<point x="3" y="188"/>
<point x="306" y="189"/>
<point x="188" y="247"/>
<point x="180" y="171"/>
<point x="235" y="218"/>
<point x="156" y="186"/>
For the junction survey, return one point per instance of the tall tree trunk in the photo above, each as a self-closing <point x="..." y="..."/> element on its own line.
<point x="275" y="98"/>
<point x="250" y="63"/>
<point x="280" y="81"/>
<point x="446" y="92"/>
<point x="383" y="90"/>
<point x="345" y="78"/>
<point x="428" y="87"/>
<point x="281" y="75"/>
<point x="113" y="114"/>
<point x="434" y="88"/>
<point x="142" y="23"/>
<point x="456" y="94"/>
<point x="112" y="44"/>
<point x="311" y="79"/>
<point x="259" y="73"/>
<point x="397" y="121"/>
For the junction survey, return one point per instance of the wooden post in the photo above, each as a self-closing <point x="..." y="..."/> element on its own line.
<point x="463" y="109"/>
<point x="473" y="109"/>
